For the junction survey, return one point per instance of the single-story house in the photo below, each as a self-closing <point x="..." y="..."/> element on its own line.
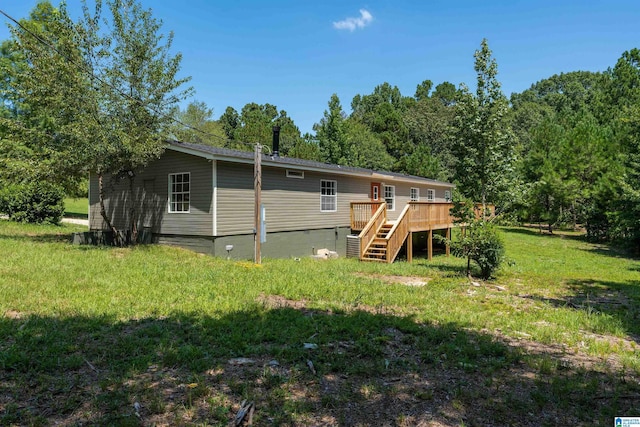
<point x="202" y="198"/>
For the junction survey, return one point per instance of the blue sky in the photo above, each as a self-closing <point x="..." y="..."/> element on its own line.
<point x="295" y="53"/>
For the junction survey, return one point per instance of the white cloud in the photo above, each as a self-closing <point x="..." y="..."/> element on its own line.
<point x="353" y="24"/>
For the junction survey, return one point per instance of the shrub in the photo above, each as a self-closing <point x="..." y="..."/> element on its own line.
<point x="481" y="244"/>
<point x="35" y="202"/>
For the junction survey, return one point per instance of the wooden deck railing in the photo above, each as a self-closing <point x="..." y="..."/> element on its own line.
<point x="398" y="234"/>
<point x="416" y="216"/>
<point x="361" y="213"/>
<point x="430" y="215"/>
<point x="491" y="211"/>
<point x="371" y="227"/>
<point x="423" y="215"/>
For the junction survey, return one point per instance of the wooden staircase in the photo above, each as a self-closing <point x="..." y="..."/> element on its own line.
<point x="381" y="240"/>
<point x="378" y="249"/>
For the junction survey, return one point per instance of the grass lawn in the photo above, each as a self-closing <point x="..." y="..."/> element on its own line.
<point x="76" y="208"/>
<point x="151" y="335"/>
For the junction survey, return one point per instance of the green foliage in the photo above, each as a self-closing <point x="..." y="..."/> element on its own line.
<point x="195" y="124"/>
<point x="96" y="95"/>
<point x="479" y="240"/>
<point x="364" y="149"/>
<point x="255" y="124"/>
<point x="35" y="202"/>
<point x="330" y="133"/>
<point x="481" y="244"/>
<point x="306" y="148"/>
<point x="483" y="147"/>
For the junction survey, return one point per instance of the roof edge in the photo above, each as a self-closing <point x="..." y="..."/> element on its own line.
<point x="216" y="153"/>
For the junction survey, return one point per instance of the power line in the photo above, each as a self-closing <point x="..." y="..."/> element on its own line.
<point x="83" y="68"/>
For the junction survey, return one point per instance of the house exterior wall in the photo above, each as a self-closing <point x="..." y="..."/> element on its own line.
<point x="294" y="203"/>
<point x="150" y="197"/>
<point x="291" y="203"/>
<point x="222" y="206"/>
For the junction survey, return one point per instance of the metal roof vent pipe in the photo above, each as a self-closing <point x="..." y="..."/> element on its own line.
<point x="276" y="141"/>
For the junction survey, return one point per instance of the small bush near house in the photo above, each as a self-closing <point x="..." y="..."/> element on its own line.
<point x="480" y="243"/>
<point x="35" y="202"/>
<point x="483" y="245"/>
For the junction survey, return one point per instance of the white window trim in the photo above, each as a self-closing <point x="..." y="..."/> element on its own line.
<point x="431" y="195"/>
<point x="295" y="174"/>
<point x="169" y="192"/>
<point x="447" y="195"/>
<point x="393" y="199"/>
<point x="376" y="193"/>
<point x="335" y="196"/>
<point x="417" y="198"/>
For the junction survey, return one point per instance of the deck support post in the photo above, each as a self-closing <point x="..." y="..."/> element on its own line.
<point x="430" y="244"/>
<point x="448" y="248"/>
<point x="410" y="247"/>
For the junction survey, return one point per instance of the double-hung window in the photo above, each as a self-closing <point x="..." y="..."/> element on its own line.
<point x="179" y="192"/>
<point x="415" y="194"/>
<point x="328" y="195"/>
<point x="390" y="197"/>
<point x="431" y="195"/>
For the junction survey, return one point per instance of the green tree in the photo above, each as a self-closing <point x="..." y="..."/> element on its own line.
<point x="622" y="94"/>
<point x="364" y="149"/>
<point x="330" y="133"/>
<point x="306" y="148"/>
<point x="230" y="121"/>
<point x="382" y="111"/>
<point x="99" y="91"/>
<point x="479" y="241"/>
<point x="34" y="144"/>
<point x="423" y="90"/>
<point x="483" y="145"/>
<point x="429" y="123"/>
<point x="446" y="93"/>
<point x="195" y="124"/>
<point x="255" y="124"/>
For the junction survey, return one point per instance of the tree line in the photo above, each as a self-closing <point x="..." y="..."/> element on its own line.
<point x="566" y="151"/>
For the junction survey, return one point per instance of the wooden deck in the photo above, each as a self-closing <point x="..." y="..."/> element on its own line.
<point x="381" y="239"/>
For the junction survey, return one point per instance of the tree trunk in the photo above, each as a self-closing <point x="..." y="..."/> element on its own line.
<point x="103" y="212"/>
<point x="484" y="207"/>
<point x="133" y="212"/>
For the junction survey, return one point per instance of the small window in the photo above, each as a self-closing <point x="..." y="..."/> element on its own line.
<point x="179" y="192"/>
<point x="390" y="197"/>
<point x="328" y="195"/>
<point x="295" y="174"/>
<point x="375" y="195"/>
<point x="431" y="195"/>
<point x="415" y="194"/>
<point x="447" y="195"/>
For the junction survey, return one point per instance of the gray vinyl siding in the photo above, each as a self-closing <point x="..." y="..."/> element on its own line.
<point x="291" y="203"/>
<point x="150" y="196"/>
<point x="294" y="204"/>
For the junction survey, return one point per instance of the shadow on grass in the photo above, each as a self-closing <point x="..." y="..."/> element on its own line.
<point x="529" y="231"/>
<point x="620" y="301"/>
<point x="62" y="237"/>
<point x="76" y="215"/>
<point x="367" y="369"/>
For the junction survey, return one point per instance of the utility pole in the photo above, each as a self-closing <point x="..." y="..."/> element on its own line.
<point x="257" y="186"/>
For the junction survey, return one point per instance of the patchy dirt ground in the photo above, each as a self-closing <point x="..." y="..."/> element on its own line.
<point x="398" y="280"/>
<point x="454" y="378"/>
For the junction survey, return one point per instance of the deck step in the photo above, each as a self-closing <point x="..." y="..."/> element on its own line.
<point x="377" y="252"/>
